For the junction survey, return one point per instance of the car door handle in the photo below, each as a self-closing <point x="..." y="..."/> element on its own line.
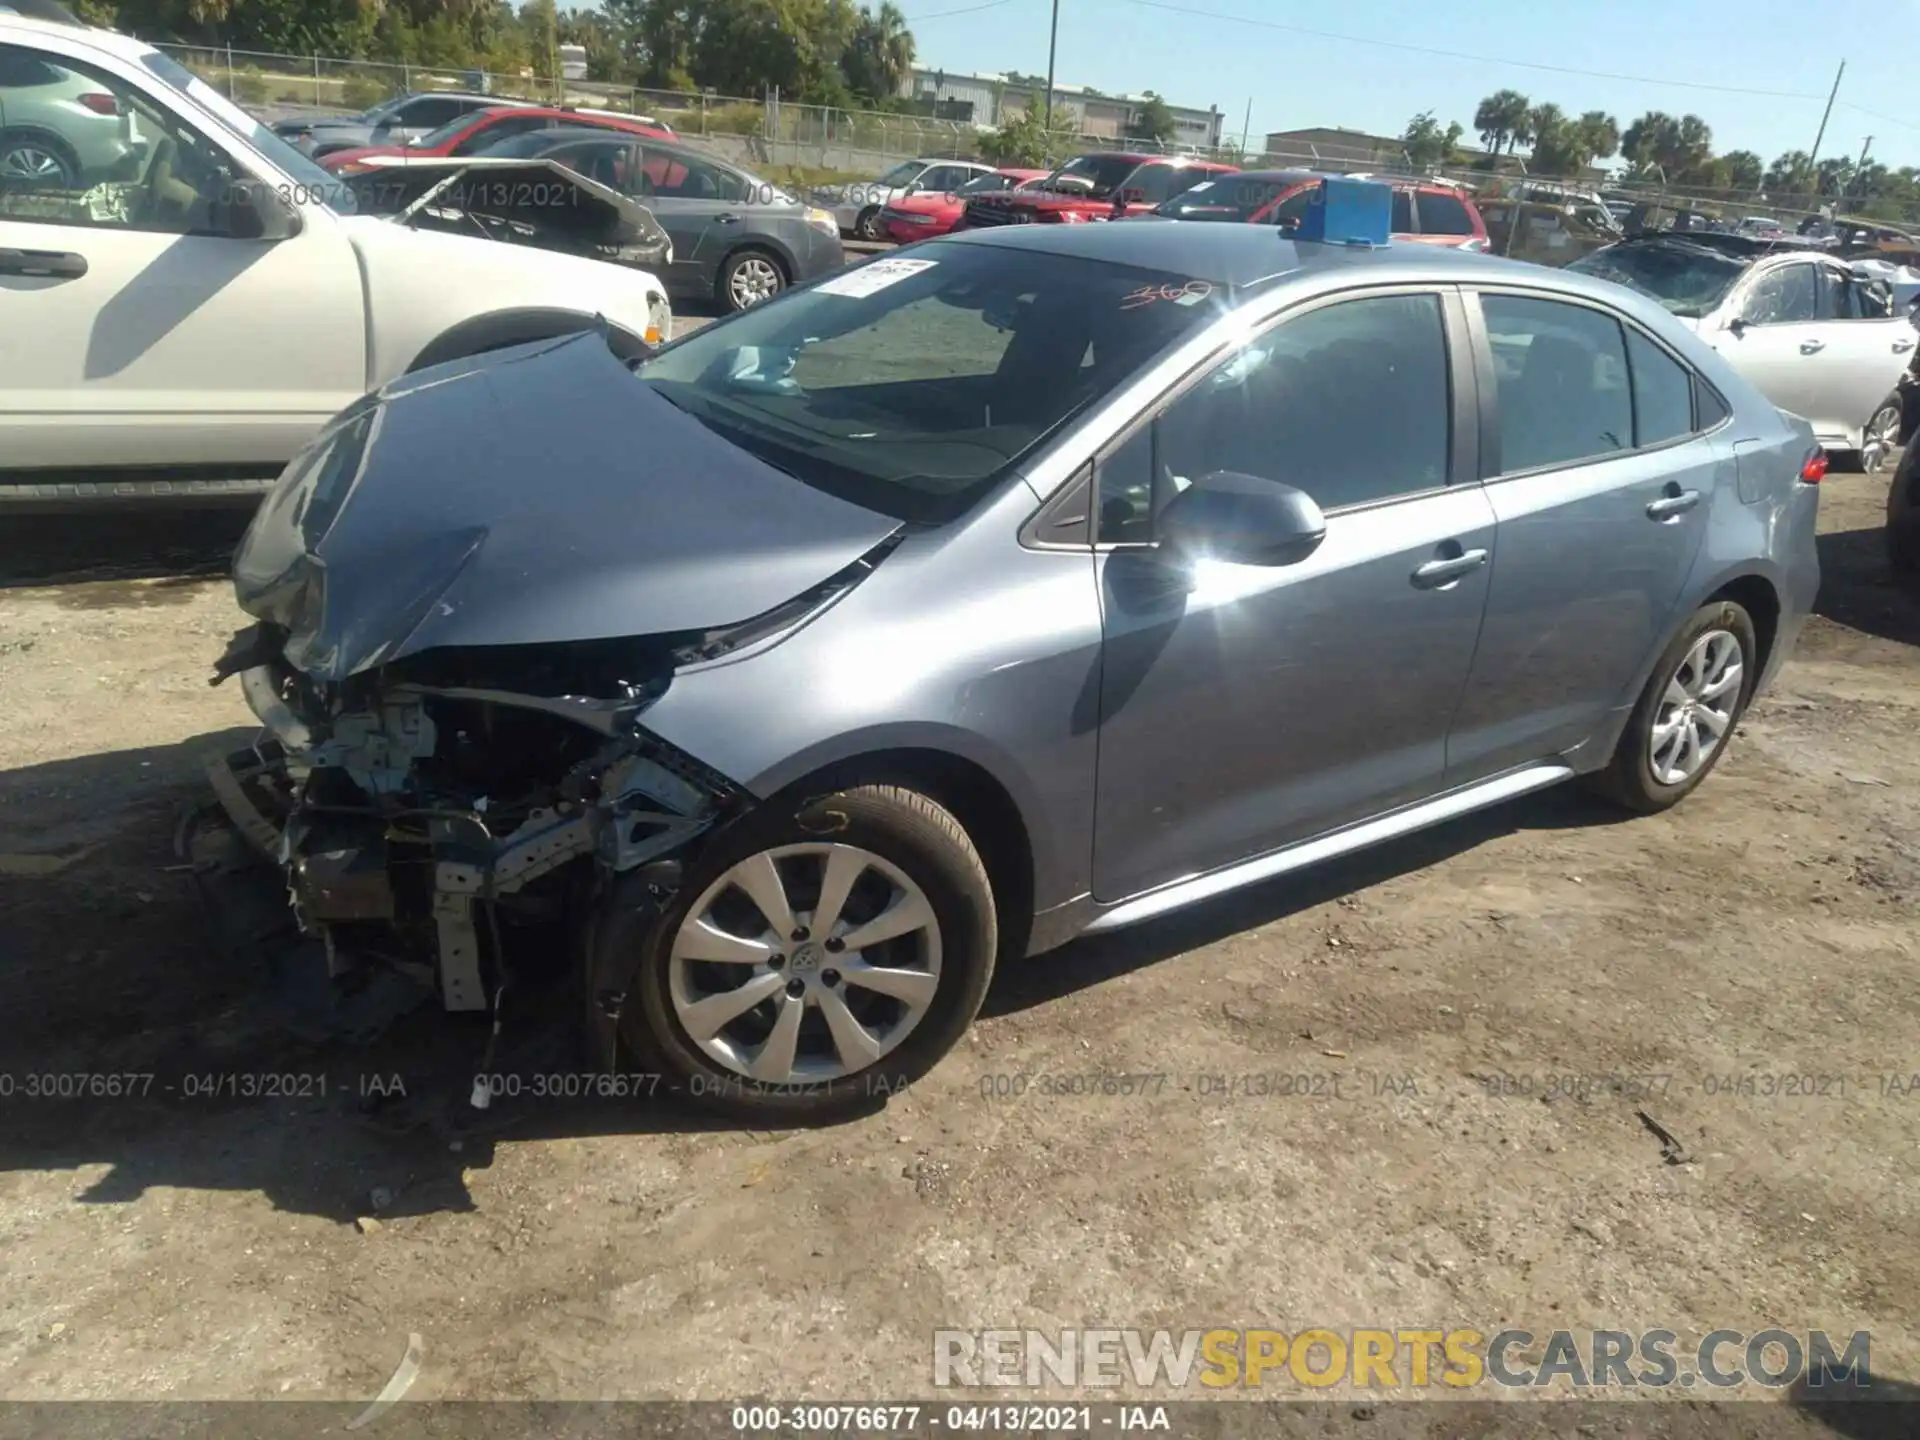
<point x="1812" y="347"/>
<point x="1668" y="506"/>
<point x="726" y="219"/>
<point x="1436" y="573"/>
<point x="55" y="264"/>
<point x="1900" y="347"/>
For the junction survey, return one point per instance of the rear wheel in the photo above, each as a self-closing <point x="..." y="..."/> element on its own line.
<point x="749" y="278"/>
<point x="1686" y="716"/>
<point x="31" y="159"/>
<point x="1880" y="436"/>
<point x="816" y="961"/>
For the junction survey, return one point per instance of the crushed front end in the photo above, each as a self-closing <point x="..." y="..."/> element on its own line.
<point x="427" y="822"/>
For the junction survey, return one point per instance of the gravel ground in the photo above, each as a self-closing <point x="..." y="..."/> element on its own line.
<point x="208" y="1248"/>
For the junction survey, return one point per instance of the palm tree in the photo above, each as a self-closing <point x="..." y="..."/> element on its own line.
<point x="1650" y="140"/>
<point x="1501" y="120"/>
<point x="879" y="55"/>
<point x="1787" y="171"/>
<point x="1600" y="134"/>
<point x="1744" y="169"/>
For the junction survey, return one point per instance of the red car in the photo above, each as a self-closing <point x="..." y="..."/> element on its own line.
<point x="470" y="134"/>
<point x="915" y="217"/>
<point x="1424" y="211"/>
<point x="1108" y="185"/>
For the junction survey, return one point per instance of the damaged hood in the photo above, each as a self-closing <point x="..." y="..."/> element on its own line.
<point x="534" y="495"/>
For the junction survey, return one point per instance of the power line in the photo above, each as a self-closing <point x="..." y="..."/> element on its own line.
<point x="1889" y="119"/>
<point x="1465" y="55"/>
<point x="964" y="10"/>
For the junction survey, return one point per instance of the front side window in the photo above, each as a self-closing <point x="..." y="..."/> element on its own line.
<point x="1786" y="296"/>
<point x="987" y="184"/>
<point x="429" y="111"/>
<point x="1105" y="173"/>
<point x="676" y="175"/>
<point x="1149" y="185"/>
<point x="82" y="147"/>
<point x="913" y="385"/>
<point x="1293" y="406"/>
<point x="1218" y="197"/>
<point x="1560" y="381"/>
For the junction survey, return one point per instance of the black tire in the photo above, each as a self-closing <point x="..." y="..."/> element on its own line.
<point x="902" y="827"/>
<point x="50" y="145"/>
<point x="724" y="288"/>
<point x="1628" y="778"/>
<point x="866" y="225"/>
<point x="1903" y="516"/>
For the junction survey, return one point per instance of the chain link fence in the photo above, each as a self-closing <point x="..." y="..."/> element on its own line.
<point x="818" y="143"/>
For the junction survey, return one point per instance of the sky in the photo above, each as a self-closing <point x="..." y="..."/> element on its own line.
<point x="1757" y="71"/>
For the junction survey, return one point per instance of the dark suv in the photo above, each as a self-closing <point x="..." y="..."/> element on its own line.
<point x="1108" y="185"/>
<point x="1424" y="211"/>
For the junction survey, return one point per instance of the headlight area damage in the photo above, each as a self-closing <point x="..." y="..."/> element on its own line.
<point x="454" y="661"/>
<point x="452" y="815"/>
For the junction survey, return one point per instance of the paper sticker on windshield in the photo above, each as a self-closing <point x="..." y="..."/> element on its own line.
<point x="873" y="277"/>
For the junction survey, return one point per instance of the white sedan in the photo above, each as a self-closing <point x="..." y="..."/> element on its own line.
<point x="1798" y="324"/>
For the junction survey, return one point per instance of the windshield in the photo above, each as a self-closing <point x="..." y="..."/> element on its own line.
<point x="313" y="181"/>
<point x="1688" y="279"/>
<point x="900" y="174"/>
<point x="1107" y="172"/>
<point x="1233" y="198"/>
<point x="913" y="385"/>
<point x="982" y="184"/>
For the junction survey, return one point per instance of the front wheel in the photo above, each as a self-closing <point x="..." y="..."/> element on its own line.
<point x="1686" y="715"/>
<point x="816" y="961"/>
<point x="866" y="225"/>
<point x="37" y="161"/>
<point x="750" y="278"/>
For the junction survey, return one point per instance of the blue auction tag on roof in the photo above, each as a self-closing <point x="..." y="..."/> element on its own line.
<point x="1348" y="212"/>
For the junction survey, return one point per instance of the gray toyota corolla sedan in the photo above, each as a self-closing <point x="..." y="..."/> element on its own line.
<point x="1021" y="584"/>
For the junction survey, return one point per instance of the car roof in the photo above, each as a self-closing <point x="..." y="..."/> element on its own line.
<point x="1244" y="255"/>
<point x="29" y="30"/>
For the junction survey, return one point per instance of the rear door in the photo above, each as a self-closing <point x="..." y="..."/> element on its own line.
<point x="1864" y="354"/>
<point x="1601" y="470"/>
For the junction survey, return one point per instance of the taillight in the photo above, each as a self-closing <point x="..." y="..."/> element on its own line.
<point x="1815" y="468"/>
<point x="100" y="103"/>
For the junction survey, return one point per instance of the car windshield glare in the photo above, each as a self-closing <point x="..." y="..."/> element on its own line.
<point x="1689" y="280"/>
<point x="1229" y="199"/>
<point x="913" y="386"/>
<point x="1106" y="174"/>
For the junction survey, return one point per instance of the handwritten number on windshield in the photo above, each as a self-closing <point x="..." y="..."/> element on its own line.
<point x="1191" y="293"/>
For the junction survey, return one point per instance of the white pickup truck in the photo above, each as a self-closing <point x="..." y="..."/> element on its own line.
<point x="182" y="310"/>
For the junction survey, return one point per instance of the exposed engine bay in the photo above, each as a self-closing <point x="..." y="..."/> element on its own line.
<point x="422" y="823"/>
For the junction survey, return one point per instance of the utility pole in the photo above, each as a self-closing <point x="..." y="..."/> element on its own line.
<point x="1813" y="157"/>
<point x="1246" y="128"/>
<point x="1053" y="40"/>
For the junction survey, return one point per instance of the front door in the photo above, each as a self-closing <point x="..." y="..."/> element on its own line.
<point x="1244" y="707"/>
<point x="1602" y="472"/>
<point x="134" y="334"/>
<point x="1779" y="345"/>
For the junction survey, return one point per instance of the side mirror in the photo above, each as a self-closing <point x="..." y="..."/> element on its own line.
<point x="1242" y="519"/>
<point x="255" y="212"/>
<point x="1737" y="327"/>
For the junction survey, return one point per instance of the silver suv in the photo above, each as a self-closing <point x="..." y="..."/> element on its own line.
<point x="60" y="128"/>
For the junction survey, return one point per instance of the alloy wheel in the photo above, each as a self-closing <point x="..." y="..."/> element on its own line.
<point x="25" y="160"/>
<point x="805" y="964"/>
<point x="1696" y="711"/>
<point x="754" y="279"/>
<point x="1877" y="441"/>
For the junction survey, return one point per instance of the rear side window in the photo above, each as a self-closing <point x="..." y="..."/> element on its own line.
<point x="500" y="130"/>
<point x="431" y="113"/>
<point x="1154" y="182"/>
<point x="1443" y="215"/>
<point x="1402" y="213"/>
<point x="1561" y="382"/>
<point x="1662" y="392"/>
<point x="1711" y="409"/>
<point x="21" y="71"/>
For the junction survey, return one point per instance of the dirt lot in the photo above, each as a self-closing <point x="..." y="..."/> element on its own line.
<point x="180" y="1247"/>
